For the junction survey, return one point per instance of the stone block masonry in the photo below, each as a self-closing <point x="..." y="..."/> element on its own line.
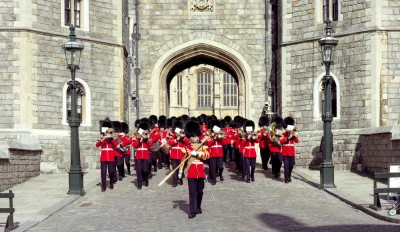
<point x="21" y="166"/>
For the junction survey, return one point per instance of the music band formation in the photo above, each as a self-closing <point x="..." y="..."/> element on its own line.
<point x="184" y="144"/>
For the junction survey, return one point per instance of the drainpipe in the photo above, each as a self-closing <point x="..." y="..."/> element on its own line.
<point x="135" y="41"/>
<point x="266" y="17"/>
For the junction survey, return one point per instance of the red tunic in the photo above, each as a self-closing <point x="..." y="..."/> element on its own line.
<point x="142" y="149"/>
<point x="107" y="151"/>
<point x="264" y="140"/>
<point x="126" y="140"/>
<point x="249" y="150"/>
<point x="196" y="168"/>
<point x="288" y="145"/>
<point x="215" y="148"/>
<point x="273" y="147"/>
<point x="176" y="148"/>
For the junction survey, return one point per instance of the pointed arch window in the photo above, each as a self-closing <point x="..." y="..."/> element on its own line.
<point x="319" y="98"/>
<point x="83" y="102"/>
<point x="230" y="92"/>
<point x="80" y="94"/>
<point x="203" y="89"/>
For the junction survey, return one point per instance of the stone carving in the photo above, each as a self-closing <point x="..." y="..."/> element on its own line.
<point x="201" y="5"/>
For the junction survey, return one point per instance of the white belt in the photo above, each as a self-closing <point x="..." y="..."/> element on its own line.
<point x="197" y="163"/>
<point x="248" y="147"/>
<point x="142" y="149"/>
<point x="288" y="145"/>
<point x="180" y="148"/>
<point x="107" y="149"/>
<point x="216" y="146"/>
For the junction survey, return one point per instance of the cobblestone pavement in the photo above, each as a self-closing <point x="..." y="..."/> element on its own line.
<point x="268" y="204"/>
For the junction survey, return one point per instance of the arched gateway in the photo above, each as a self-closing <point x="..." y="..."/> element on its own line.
<point x="195" y="52"/>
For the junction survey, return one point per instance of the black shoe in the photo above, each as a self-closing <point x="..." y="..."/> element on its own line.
<point x="146" y="184"/>
<point x="252" y="179"/>
<point x="103" y="190"/>
<point x="174" y="185"/>
<point x="286" y="181"/>
<point x="120" y="179"/>
<point x="150" y="176"/>
<point x="290" y="179"/>
<point x="180" y="181"/>
<point x="192" y="215"/>
<point x="199" y="211"/>
<point x="221" y="178"/>
<point x="248" y="181"/>
<point x="213" y="183"/>
<point x="112" y="186"/>
<point x="139" y="187"/>
<point x="276" y="175"/>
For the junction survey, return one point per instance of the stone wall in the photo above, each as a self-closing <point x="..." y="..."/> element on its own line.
<point x="378" y="148"/>
<point x="19" y="158"/>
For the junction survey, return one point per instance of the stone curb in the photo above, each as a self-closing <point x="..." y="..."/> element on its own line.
<point x="348" y="199"/>
<point x="45" y="213"/>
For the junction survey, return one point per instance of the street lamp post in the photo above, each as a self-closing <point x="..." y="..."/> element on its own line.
<point x="73" y="50"/>
<point x="328" y="44"/>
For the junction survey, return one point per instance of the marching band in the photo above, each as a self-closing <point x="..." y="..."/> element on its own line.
<point x="184" y="142"/>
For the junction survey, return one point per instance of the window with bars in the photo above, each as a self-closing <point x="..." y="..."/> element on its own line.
<point x="203" y="89"/>
<point x="327" y="13"/>
<point x="230" y="92"/>
<point x="72" y="12"/>
<point x="179" y="90"/>
<point x="80" y="90"/>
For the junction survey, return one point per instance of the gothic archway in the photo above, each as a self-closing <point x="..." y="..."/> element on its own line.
<point x="195" y="52"/>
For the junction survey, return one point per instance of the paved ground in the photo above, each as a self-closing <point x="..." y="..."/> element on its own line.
<point x="267" y="204"/>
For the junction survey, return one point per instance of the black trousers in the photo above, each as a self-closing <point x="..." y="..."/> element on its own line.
<point x="216" y="166"/>
<point x="230" y="152"/>
<point x="141" y="171"/>
<point x="276" y="160"/>
<point x="196" y="187"/>
<point x="238" y="160"/>
<point x="225" y="152"/>
<point x="127" y="158"/>
<point x="119" y="164"/>
<point x="104" y="166"/>
<point x="249" y="163"/>
<point x="264" y="157"/>
<point x="175" y="163"/>
<point x="160" y="159"/>
<point x="288" y="162"/>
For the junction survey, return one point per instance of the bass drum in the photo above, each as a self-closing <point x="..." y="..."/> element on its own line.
<point x="166" y="148"/>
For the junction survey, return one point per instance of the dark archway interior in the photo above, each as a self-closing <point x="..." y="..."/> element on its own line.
<point x="197" y="61"/>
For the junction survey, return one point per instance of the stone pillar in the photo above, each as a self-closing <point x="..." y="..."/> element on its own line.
<point x="217" y="93"/>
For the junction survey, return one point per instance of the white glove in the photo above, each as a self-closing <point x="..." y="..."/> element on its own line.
<point x="193" y="153"/>
<point x="179" y="176"/>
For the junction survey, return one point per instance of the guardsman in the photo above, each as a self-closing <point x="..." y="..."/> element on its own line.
<point x="288" y="151"/>
<point x="194" y="154"/>
<point x="275" y="146"/>
<point x="264" y="141"/>
<point x="249" y="152"/>
<point x="165" y="136"/>
<point x="216" y="152"/>
<point x="141" y="145"/>
<point x="119" y="154"/>
<point x="126" y="143"/>
<point x="107" y="158"/>
<point x="177" y="142"/>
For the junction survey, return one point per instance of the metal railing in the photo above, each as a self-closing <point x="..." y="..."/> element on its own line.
<point x="10" y="225"/>
<point x="377" y="203"/>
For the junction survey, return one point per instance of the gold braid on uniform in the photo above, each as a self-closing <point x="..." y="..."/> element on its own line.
<point x="191" y="159"/>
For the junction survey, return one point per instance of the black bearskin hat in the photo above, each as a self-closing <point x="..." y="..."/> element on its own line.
<point x="192" y="129"/>
<point x="194" y="119"/>
<point x="162" y="122"/>
<point x="185" y="118"/>
<point x="241" y="122"/>
<point x="248" y="123"/>
<point x="144" y="125"/>
<point x="223" y="123"/>
<point x="228" y="119"/>
<point x="263" y="121"/>
<point x="137" y="122"/>
<point x="162" y="117"/>
<point x="124" y="127"/>
<point x="169" y="123"/>
<point x="208" y="119"/>
<point x="214" y="122"/>
<point x="233" y="124"/>
<point x="236" y="118"/>
<point x="177" y="124"/>
<point x="153" y="118"/>
<point x="107" y="124"/>
<point x="279" y="121"/>
<point x="288" y="121"/>
<point x="116" y="126"/>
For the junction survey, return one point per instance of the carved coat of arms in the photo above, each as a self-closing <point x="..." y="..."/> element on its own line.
<point x="202" y="5"/>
